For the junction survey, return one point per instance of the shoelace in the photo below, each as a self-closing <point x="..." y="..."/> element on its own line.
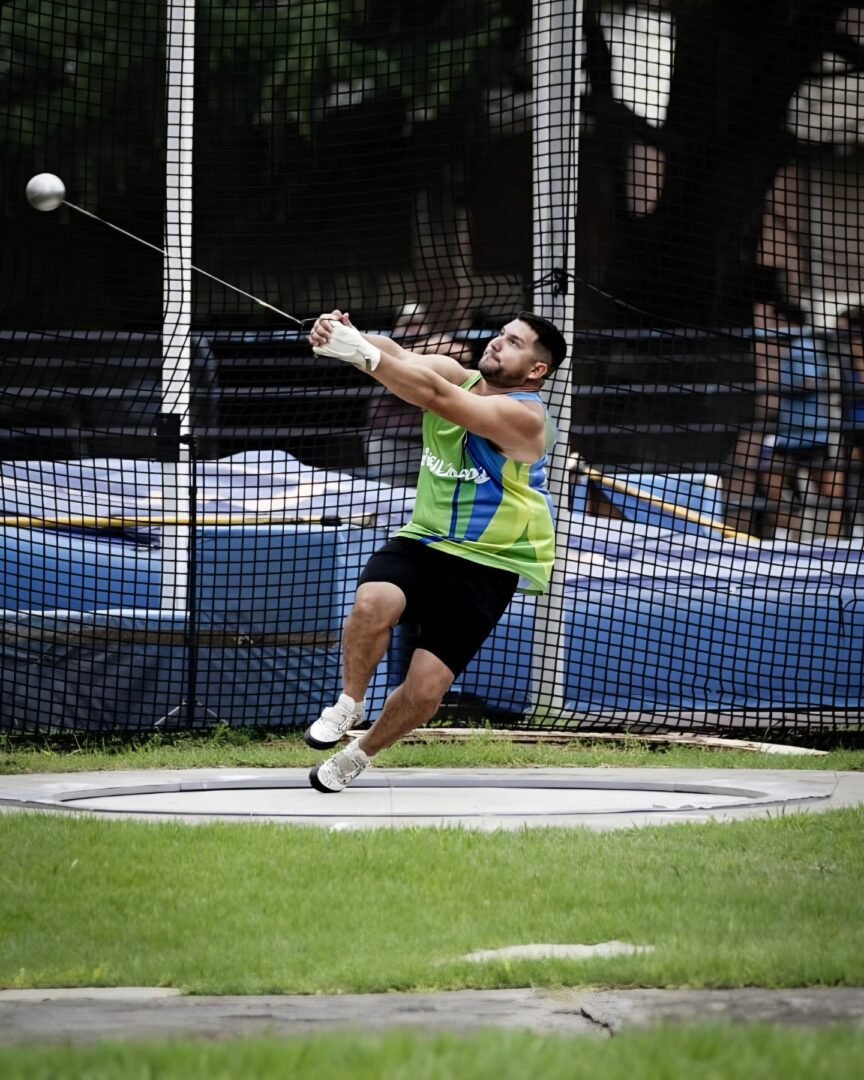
<point x="341" y="720"/>
<point x="348" y="767"/>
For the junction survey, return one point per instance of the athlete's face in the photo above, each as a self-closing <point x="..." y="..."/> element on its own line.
<point x="511" y="358"/>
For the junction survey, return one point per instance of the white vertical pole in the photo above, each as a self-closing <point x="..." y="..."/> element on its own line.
<point x="556" y="52"/>
<point x="177" y="290"/>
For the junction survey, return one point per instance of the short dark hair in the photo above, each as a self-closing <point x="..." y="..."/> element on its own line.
<point x="548" y="335"/>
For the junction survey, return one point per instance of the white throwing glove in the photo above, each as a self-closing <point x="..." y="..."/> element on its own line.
<point x="349" y="345"/>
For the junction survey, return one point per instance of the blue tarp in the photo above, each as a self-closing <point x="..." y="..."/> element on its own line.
<point x="655" y="617"/>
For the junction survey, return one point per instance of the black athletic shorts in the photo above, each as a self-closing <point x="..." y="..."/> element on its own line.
<point x="454" y="603"/>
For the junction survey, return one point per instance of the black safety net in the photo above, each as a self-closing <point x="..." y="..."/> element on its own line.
<point x="190" y="493"/>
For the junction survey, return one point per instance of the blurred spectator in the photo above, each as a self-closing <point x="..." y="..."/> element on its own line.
<point x="802" y="468"/>
<point x="393" y="438"/>
<point x="746" y="509"/>
<point x="850" y="348"/>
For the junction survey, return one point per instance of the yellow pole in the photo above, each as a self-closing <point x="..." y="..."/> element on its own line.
<point x="682" y="512"/>
<point x="22" y="522"/>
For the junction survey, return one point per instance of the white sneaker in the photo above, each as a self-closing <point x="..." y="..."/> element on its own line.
<point x="334" y="721"/>
<point x="337" y="772"/>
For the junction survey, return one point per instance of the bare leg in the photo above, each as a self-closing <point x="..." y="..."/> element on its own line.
<point x="366" y="635"/>
<point x="778" y="481"/>
<point x="410" y="705"/>
<point x="742" y="483"/>
<point x="832" y="489"/>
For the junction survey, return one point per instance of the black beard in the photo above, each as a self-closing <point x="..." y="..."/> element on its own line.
<point x="501" y="381"/>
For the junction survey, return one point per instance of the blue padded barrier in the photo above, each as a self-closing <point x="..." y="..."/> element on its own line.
<point x="43" y="570"/>
<point x="637" y="649"/>
<point x="700" y="493"/>
<point x="55" y="679"/>
<point x="60" y="678"/>
<point x="849" y="686"/>
<point x="579" y="495"/>
<point x="290" y="580"/>
<point x="276" y="580"/>
<point x="281" y="578"/>
<point x="625" y="652"/>
<point x="794" y="643"/>
<point x="284" y="686"/>
<point x="783" y="647"/>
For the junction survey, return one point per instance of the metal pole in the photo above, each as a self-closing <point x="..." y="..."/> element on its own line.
<point x="177" y="480"/>
<point x="556" y="51"/>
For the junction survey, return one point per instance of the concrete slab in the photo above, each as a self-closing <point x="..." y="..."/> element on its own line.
<point x="558" y="952"/>
<point x="88" y="1019"/>
<point x="112" y="994"/>
<point x="626" y="1010"/>
<point x="486" y="799"/>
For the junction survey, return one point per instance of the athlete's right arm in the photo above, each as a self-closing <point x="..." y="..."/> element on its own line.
<point x="445" y="366"/>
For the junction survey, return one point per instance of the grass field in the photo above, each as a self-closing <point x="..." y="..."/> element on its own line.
<point x="246" y="908"/>
<point x="706" y="1053"/>
<point x="268" y="908"/>
<point x="264" y="908"/>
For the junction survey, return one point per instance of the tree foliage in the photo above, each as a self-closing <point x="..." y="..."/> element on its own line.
<point x="64" y="67"/>
<point x="725" y="135"/>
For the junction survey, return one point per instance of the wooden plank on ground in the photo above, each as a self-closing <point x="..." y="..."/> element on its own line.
<point x="563" y="738"/>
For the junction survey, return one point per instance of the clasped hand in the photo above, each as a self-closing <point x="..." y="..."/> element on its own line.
<point x="333" y="335"/>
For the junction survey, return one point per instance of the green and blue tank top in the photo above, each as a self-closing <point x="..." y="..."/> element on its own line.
<point x="474" y="502"/>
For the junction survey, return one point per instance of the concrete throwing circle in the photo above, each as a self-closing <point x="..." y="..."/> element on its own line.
<point x="475" y="798"/>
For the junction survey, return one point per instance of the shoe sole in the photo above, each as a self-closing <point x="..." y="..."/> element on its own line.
<point x="316" y="783"/>
<point x="316" y="744"/>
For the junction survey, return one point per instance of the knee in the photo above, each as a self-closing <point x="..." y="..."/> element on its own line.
<point x="377" y="609"/>
<point x="425" y="691"/>
<point x="423" y="701"/>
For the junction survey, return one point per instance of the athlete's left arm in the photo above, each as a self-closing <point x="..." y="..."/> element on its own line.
<point x="517" y="428"/>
